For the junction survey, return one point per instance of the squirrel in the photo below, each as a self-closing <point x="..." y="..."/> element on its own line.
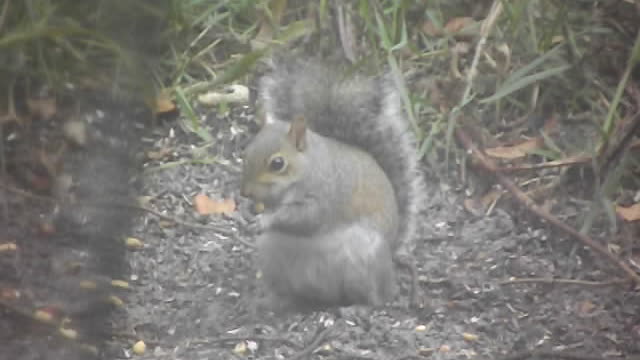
<point x="335" y="166"/>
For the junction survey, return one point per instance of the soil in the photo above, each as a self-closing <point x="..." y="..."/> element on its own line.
<point x="194" y="288"/>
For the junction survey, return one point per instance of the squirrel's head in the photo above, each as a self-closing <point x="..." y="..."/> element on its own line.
<point x="274" y="161"/>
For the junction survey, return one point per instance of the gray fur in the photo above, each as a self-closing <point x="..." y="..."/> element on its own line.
<point x="365" y="112"/>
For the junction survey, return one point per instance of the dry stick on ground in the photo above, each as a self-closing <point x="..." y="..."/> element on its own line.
<point x="571" y="160"/>
<point x="319" y="339"/>
<point x="562" y="281"/>
<point x="489" y="165"/>
<point x="219" y="230"/>
<point x="533" y="354"/>
<point x="237" y="339"/>
<point x="625" y="142"/>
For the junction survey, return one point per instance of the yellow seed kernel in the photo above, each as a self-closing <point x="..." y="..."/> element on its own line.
<point x="42" y="315"/>
<point x="88" y="284"/>
<point x="139" y="347"/>
<point x="259" y="207"/>
<point x="8" y="247"/>
<point x="469" y="337"/>
<point x="120" y="283"/>
<point x="240" y="348"/>
<point x="133" y="243"/>
<point x="68" y="333"/>
<point x="115" y="301"/>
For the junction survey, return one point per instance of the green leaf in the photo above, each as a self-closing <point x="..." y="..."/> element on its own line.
<point x="240" y="67"/>
<point x="532" y="65"/>
<point x="510" y="87"/>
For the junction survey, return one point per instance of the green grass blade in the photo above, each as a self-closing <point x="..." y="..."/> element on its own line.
<point x="509" y="88"/>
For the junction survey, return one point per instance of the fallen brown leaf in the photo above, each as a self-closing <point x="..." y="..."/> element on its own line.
<point x="160" y="154"/>
<point x="453" y="27"/>
<point x="205" y="205"/>
<point x="631" y="213"/>
<point x="43" y="108"/>
<point x="515" y="151"/>
<point x="164" y="104"/>
<point x="478" y="205"/>
<point x="586" y="307"/>
<point x="9" y="294"/>
<point x="458" y="23"/>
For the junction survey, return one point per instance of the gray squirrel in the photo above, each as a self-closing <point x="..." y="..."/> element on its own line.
<point x="335" y="167"/>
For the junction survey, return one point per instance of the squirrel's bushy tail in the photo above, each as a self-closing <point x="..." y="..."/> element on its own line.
<point x="362" y="111"/>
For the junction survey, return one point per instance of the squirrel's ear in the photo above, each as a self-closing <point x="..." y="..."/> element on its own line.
<point x="298" y="133"/>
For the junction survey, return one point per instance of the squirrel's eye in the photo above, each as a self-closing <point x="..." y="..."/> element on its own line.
<point x="277" y="164"/>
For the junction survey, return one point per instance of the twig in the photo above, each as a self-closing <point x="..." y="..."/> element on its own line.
<point x="563" y="281"/>
<point x="236" y="339"/>
<point x="139" y="208"/>
<point x="26" y="194"/>
<point x="487" y="25"/>
<point x="3" y="14"/>
<point x="216" y="229"/>
<point x="550" y="354"/>
<point x="319" y="339"/>
<point x="489" y="165"/>
<point x="571" y="160"/>
<point x="485" y="30"/>
<point x="623" y="145"/>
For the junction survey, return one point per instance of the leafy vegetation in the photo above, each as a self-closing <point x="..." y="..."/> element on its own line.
<point x="508" y="75"/>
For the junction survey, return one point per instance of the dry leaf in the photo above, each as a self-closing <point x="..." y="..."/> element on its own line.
<point x="457" y="24"/>
<point x="160" y="154"/>
<point x="478" y="206"/>
<point x="515" y="151"/>
<point x="164" y="104"/>
<point x="586" y="307"/>
<point x="453" y="27"/>
<point x="9" y="294"/>
<point x="631" y="213"/>
<point x="430" y="29"/>
<point x="43" y="108"/>
<point x="205" y="206"/>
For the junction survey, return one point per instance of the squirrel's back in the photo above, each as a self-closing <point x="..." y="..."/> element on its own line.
<point x="361" y="111"/>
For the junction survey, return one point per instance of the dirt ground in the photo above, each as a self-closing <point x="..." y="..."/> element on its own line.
<point x="193" y="287"/>
<point x="503" y="285"/>
<point x="195" y="290"/>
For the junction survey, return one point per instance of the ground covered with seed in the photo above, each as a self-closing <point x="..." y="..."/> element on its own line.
<point x="195" y="289"/>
